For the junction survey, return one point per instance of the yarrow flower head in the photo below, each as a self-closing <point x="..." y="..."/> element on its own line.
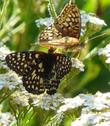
<point x="20" y="98"/>
<point x="6" y="119"/>
<point x="46" y="22"/>
<point x="77" y="64"/>
<point x="3" y="52"/>
<point x="45" y="101"/>
<point x="49" y="102"/>
<point x="9" y="80"/>
<point x="93" y="119"/>
<point x="71" y="103"/>
<point x="85" y="18"/>
<point x="106" y="52"/>
<point x="88" y="102"/>
<point x="90" y="21"/>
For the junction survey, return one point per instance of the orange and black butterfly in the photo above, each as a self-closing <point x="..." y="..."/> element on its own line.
<point x="65" y="31"/>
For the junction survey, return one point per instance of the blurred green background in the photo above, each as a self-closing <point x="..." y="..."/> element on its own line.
<point x="19" y="32"/>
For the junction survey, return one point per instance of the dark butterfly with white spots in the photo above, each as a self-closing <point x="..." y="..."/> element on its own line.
<point x="40" y="71"/>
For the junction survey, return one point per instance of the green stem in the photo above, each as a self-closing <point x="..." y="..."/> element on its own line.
<point x="93" y="52"/>
<point x="9" y="25"/>
<point x="31" y="117"/>
<point x="7" y="96"/>
<point x="52" y="9"/>
<point x="5" y="4"/>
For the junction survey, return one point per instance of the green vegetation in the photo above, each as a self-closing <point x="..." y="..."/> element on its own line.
<point x="19" y="32"/>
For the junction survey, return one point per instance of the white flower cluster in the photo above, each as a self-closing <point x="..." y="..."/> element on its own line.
<point x="91" y="18"/>
<point x="44" y="21"/>
<point x="106" y="52"/>
<point x="48" y="102"/>
<point x="77" y="64"/>
<point x="93" y="22"/>
<point x="9" y="80"/>
<point x="71" y="103"/>
<point x="3" y="52"/>
<point x="20" y="98"/>
<point x="95" y="109"/>
<point x="92" y="119"/>
<point x="85" y="18"/>
<point x="6" y="119"/>
<point x="45" y="101"/>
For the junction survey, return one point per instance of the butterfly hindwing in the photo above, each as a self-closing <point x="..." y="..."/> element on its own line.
<point x="61" y="67"/>
<point x="34" y="82"/>
<point x="50" y="33"/>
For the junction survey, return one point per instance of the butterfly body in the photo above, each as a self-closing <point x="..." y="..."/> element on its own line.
<point x="40" y="71"/>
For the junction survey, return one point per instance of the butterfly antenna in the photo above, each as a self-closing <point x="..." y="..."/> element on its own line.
<point x="71" y="2"/>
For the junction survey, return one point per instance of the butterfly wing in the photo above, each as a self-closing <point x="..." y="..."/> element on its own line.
<point x="29" y="66"/>
<point x="33" y="82"/>
<point x="40" y="71"/>
<point x="50" y="33"/>
<point x="61" y="67"/>
<point x="68" y="22"/>
<point x="22" y="62"/>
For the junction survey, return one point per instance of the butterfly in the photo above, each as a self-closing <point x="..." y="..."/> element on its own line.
<point x="67" y="24"/>
<point x="41" y="72"/>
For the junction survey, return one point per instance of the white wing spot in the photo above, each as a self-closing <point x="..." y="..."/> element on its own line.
<point x="13" y="54"/>
<point x="41" y="80"/>
<point x="13" y="59"/>
<point x="40" y="65"/>
<point x="36" y="55"/>
<point x="28" y="86"/>
<point x="57" y="57"/>
<point x="25" y="65"/>
<point x="32" y="86"/>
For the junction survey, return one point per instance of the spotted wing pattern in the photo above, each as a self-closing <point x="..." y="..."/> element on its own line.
<point x="66" y="24"/>
<point x="40" y="71"/>
<point x="49" y="34"/>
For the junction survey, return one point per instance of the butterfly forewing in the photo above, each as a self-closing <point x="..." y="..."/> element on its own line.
<point x="40" y="71"/>
<point x="68" y="22"/>
<point x="23" y="62"/>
